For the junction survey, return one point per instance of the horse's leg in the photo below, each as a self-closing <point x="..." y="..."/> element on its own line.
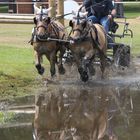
<point x="83" y="74"/>
<point x="103" y="64"/>
<point x="38" y="66"/>
<point x="52" y="63"/>
<point x="91" y="68"/>
<point x="61" y="69"/>
<point x="86" y="65"/>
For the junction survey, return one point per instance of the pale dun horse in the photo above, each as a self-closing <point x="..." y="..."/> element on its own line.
<point x="46" y="28"/>
<point x="87" y="41"/>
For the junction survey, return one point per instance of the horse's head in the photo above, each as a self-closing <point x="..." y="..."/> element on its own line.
<point x="42" y="21"/>
<point x="79" y="26"/>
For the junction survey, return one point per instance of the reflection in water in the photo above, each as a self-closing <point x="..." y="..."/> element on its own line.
<point x="79" y="113"/>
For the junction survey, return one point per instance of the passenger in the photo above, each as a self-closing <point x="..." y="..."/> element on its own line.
<point x="100" y="11"/>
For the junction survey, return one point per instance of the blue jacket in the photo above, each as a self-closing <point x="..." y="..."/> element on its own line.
<point x="99" y="8"/>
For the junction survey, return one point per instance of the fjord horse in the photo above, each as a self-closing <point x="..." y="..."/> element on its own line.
<point x="46" y="28"/>
<point x="87" y="40"/>
<point x="48" y="117"/>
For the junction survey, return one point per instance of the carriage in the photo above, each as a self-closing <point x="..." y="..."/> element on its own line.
<point x="120" y="49"/>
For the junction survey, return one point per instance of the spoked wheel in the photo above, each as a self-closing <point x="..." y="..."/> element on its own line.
<point x="122" y="56"/>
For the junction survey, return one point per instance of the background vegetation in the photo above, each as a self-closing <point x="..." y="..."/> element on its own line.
<point x="132" y="10"/>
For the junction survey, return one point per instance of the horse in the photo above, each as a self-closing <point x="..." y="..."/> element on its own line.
<point x="88" y="117"/>
<point x="45" y="28"/>
<point x="48" y="116"/>
<point x="87" y="41"/>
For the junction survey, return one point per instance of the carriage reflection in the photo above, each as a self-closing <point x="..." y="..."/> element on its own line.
<point x="80" y="114"/>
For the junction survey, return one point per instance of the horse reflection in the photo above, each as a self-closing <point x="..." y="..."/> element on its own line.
<point x="88" y="118"/>
<point x="48" y="116"/>
<point x="78" y="115"/>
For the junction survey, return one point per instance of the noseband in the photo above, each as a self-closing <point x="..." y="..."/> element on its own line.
<point x="51" y="31"/>
<point x="43" y="26"/>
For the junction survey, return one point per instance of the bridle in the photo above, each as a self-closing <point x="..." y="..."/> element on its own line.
<point x="84" y="34"/>
<point x="51" y="30"/>
<point x="43" y="26"/>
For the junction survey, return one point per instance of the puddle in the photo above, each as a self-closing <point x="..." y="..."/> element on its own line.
<point x="119" y="104"/>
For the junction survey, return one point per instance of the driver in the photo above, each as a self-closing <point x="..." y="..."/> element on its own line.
<point x="100" y="11"/>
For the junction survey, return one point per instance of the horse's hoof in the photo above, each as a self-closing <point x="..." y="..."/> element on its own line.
<point x="41" y="71"/>
<point x="61" y="70"/>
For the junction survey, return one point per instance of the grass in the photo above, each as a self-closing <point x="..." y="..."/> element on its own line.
<point x="132" y="11"/>
<point x="3" y="8"/>
<point x="17" y="72"/>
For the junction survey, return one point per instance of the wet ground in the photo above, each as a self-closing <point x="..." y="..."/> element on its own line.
<point x="107" y="108"/>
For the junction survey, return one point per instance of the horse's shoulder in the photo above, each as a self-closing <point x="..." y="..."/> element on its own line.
<point x="98" y="25"/>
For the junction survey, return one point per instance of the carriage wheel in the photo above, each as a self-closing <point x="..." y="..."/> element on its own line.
<point x="122" y="56"/>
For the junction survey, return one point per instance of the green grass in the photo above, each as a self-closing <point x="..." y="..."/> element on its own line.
<point x="3" y="8"/>
<point x="17" y="71"/>
<point x="132" y="10"/>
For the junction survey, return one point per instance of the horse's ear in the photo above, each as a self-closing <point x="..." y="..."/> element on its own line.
<point x="70" y="23"/>
<point x="84" y="24"/>
<point x="35" y="21"/>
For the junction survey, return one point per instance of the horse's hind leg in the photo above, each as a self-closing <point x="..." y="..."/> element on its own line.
<point x="52" y="64"/>
<point x="86" y="65"/>
<point x="38" y="59"/>
<point x="103" y="64"/>
<point x="61" y="68"/>
<point x="81" y="69"/>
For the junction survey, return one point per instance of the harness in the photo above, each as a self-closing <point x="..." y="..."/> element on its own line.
<point x="51" y="31"/>
<point x="84" y="36"/>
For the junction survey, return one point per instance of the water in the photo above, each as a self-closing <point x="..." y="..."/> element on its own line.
<point x="121" y="103"/>
<point x="103" y="108"/>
